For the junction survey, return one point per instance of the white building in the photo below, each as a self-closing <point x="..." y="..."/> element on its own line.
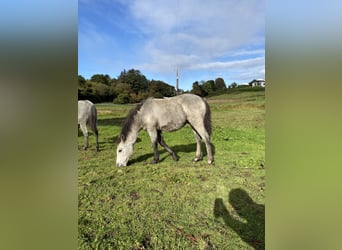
<point x="257" y="83"/>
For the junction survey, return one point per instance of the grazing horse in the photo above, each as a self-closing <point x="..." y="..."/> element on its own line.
<point x="168" y="114"/>
<point x="87" y="115"/>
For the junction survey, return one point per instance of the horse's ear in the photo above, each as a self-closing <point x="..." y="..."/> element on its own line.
<point x="122" y="137"/>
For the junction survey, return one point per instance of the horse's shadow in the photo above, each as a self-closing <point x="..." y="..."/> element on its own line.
<point x="117" y="121"/>
<point x="253" y="231"/>
<point x="185" y="148"/>
<point x="110" y="143"/>
<point x="189" y="148"/>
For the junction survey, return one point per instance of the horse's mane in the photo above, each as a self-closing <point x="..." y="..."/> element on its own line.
<point x="127" y="125"/>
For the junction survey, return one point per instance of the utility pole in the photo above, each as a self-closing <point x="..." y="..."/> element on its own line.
<point x="177" y="82"/>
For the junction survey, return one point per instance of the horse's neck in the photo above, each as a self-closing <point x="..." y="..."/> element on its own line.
<point x="136" y="127"/>
<point x="132" y="136"/>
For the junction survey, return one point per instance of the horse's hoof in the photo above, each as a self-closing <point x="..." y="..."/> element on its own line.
<point x="196" y="160"/>
<point x="211" y="162"/>
<point x="154" y="162"/>
<point x="175" y="157"/>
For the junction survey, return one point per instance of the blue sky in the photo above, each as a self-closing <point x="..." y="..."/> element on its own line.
<point x="203" y="39"/>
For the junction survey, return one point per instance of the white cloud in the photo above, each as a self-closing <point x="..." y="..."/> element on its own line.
<point x="186" y="33"/>
<point x="248" y="63"/>
<point x="249" y="52"/>
<point x="194" y="35"/>
<point x="231" y="21"/>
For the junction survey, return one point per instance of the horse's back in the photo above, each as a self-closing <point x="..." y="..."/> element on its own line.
<point x="84" y="110"/>
<point x="188" y="101"/>
<point x="193" y="103"/>
<point x="172" y="113"/>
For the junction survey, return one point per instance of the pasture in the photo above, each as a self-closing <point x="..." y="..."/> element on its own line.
<point x="177" y="205"/>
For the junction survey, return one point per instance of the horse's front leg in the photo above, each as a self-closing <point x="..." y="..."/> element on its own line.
<point x="167" y="148"/>
<point x="156" y="153"/>
<point x="154" y="140"/>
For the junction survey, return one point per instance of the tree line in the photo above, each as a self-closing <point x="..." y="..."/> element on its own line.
<point x="132" y="86"/>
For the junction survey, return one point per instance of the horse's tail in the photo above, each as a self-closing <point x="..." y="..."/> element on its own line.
<point x="93" y="119"/>
<point x="207" y="118"/>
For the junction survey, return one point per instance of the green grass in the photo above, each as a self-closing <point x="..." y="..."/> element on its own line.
<point x="177" y="205"/>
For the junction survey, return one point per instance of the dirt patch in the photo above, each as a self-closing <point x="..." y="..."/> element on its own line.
<point x="134" y="195"/>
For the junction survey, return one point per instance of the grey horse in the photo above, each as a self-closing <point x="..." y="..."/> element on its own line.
<point x="168" y="114"/>
<point x="87" y="115"/>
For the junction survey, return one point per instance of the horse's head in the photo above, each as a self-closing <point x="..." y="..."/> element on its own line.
<point x="123" y="152"/>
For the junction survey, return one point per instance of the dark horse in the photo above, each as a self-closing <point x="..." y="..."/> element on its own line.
<point x="168" y="114"/>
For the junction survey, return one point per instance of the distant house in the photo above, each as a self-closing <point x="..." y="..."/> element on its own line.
<point x="257" y="83"/>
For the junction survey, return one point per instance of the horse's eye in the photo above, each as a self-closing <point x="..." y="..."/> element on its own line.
<point x="120" y="150"/>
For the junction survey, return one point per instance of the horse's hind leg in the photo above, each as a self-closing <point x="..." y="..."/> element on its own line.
<point x="198" y="155"/>
<point x="96" y="133"/>
<point x="202" y="132"/>
<point x="209" y="151"/>
<point x="97" y="141"/>
<point x="85" y="133"/>
<point x="93" y="125"/>
<point x="167" y="148"/>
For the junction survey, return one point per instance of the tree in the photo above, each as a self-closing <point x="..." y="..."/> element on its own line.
<point x="81" y="81"/>
<point x="87" y="92"/>
<point x="220" y="84"/>
<point x="122" y="98"/>
<point x="103" y="92"/>
<point x="160" y="89"/>
<point x="81" y="86"/>
<point x="133" y="77"/>
<point x="197" y="89"/>
<point x="208" y="86"/>
<point x="100" y="78"/>
<point x="233" y="85"/>
<point x="96" y="92"/>
<point x="122" y="91"/>
<point x="122" y="88"/>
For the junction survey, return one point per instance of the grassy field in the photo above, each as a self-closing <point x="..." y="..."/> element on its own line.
<point x="177" y="205"/>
